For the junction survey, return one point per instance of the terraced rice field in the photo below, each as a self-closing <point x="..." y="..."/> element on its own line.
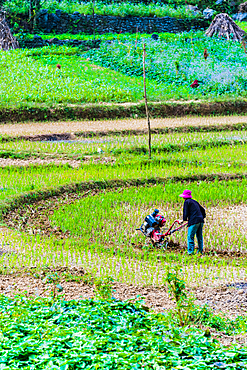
<point x="116" y="186"/>
<point x="71" y="199"/>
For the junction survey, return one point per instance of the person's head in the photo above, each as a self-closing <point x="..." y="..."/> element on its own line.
<point x="186" y="194"/>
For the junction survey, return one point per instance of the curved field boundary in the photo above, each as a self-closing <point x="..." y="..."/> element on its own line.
<point x="33" y="197"/>
<point x="126" y="110"/>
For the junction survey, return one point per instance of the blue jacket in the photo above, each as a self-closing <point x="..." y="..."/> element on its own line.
<point x="193" y="212"/>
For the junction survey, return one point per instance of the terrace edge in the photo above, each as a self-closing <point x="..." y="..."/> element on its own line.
<point x="121" y="110"/>
<point x="33" y="197"/>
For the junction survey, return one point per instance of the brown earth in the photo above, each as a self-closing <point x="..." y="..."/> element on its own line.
<point x="5" y="162"/>
<point x="68" y="129"/>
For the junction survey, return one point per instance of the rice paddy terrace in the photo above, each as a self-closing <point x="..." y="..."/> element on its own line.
<point x="78" y="195"/>
<point x="73" y="193"/>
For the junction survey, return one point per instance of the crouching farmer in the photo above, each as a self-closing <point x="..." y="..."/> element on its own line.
<point x="194" y="213"/>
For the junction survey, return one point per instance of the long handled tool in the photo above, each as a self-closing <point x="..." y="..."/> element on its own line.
<point x="157" y="238"/>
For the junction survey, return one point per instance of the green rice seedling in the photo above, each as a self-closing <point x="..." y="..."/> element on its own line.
<point x="188" y="145"/>
<point x="105" y="248"/>
<point x="118" y="223"/>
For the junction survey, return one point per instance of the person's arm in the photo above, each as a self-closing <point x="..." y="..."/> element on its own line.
<point x="185" y="211"/>
<point x="203" y="211"/>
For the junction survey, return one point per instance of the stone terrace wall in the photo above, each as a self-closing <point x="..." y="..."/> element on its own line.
<point x="61" y="22"/>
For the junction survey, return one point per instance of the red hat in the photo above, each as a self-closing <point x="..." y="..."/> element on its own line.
<point x="186" y="194"/>
<point x="195" y="84"/>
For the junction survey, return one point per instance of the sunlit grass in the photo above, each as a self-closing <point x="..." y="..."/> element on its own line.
<point x="118" y="214"/>
<point x="129" y="143"/>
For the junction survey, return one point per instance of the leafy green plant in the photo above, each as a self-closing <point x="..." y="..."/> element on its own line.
<point x="103" y="287"/>
<point x="53" y="278"/>
<point x="41" y="334"/>
<point x="186" y="310"/>
<point x="121" y="8"/>
<point x="184" y="302"/>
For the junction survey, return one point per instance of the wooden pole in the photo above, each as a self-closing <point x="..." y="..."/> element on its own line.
<point x="146" y="102"/>
<point x="93" y="21"/>
<point x="30" y="9"/>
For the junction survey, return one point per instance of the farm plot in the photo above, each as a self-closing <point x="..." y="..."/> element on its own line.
<point x="178" y="64"/>
<point x="124" y="144"/>
<point x="77" y="239"/>
<point x="128" y="162"/>
<point x="113" y="73"/>
<point x="97" y="231"/>
<point x="87" y="333"/>
<point x="73" y="230"/>
<point x="118" y="214"/>
<point x="39" y="81"/>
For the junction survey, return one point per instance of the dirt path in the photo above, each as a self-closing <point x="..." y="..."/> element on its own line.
<point x="5" y="162"/>
<point x="46" y="128"/>
<point x="229" y="300"/>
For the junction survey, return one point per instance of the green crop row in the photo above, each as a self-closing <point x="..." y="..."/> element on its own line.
<point x="20" y="181"/>
<point x="101" y="234"/>
<point x="114" y="72"/>
<point x="178" y="64"/>
<point x="111" y="218"/>
<point x="122" y="145"/>
<point x="165" y="36"/>
<point x="32" y="77"/>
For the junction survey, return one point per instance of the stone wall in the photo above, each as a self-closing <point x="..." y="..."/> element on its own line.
<point x="39" y="42"/>
<point x="60" y="22"/>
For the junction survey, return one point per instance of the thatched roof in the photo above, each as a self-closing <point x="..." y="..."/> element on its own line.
<point x="243" y="7"/>
<point x="7" y="41"/>
<point x="224" y="26"/>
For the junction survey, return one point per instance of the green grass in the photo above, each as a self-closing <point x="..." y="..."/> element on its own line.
<point x="124" y="145"/>
<point x="112" y="218"/>
<point x="113" y="73"/>
<point x="121" y="9"/>
<point x="164" y="36"/>
<point x="242" y="25"/>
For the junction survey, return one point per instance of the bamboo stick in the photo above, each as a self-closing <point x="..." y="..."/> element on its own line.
<point x="146" y="103"/>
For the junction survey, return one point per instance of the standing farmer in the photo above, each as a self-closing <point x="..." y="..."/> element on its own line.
<point x="194" y="213"/>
